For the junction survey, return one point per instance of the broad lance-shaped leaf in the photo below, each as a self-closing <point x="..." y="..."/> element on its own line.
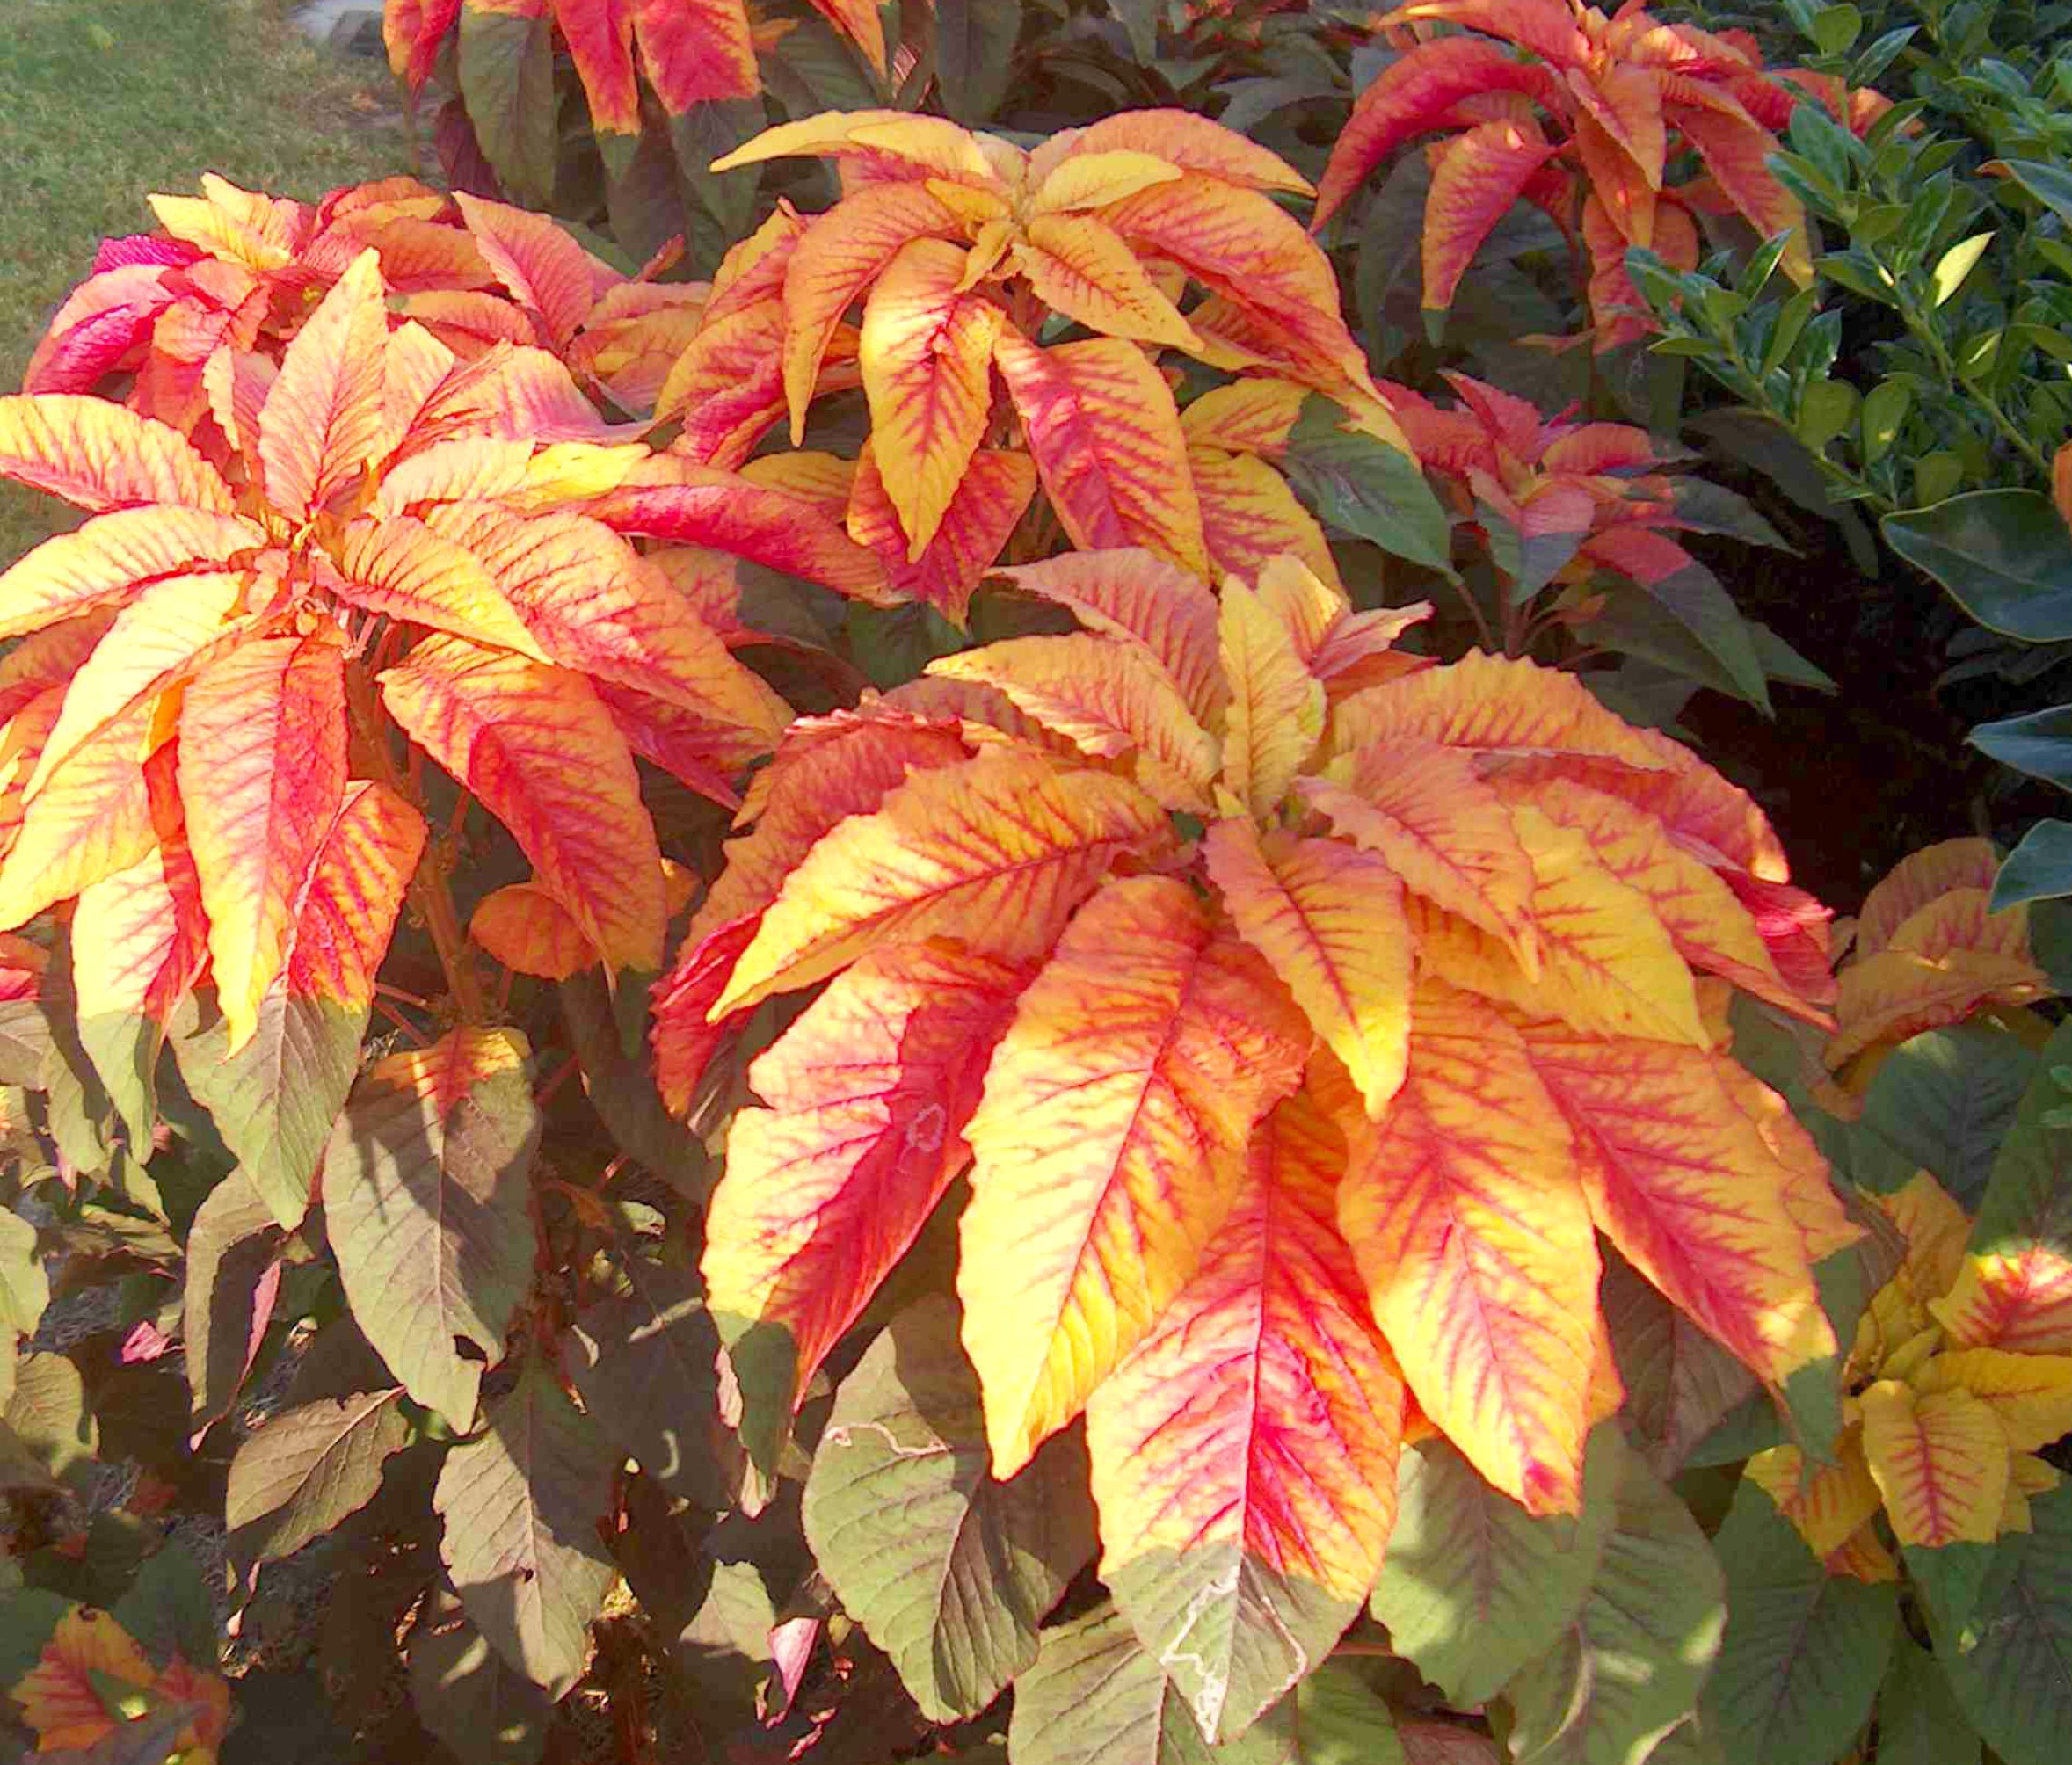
<point x="948" y="1571"/>
<point x="1629" y="1666"/>
<point x="1680" y="1384"/>
<point x="232" y="1275"/>
<point x="1082" y="267"/>
<point x="1276" y="705"/>
<point x="113" y="558"/>
<point x="521" y="1503"/>
<point x="1249" y="516"/>
<point x="466" y="1693"/>
<point x="262" y="773"/>
<point x="101" y="456"/>
<point x="1940" y="1461"/>
<point x="998" y="852"/>
<point x="1475" y="1588"/>
<point x="426" y="1203"/>
<point x="1106" y="436"/>
<point x="534" y="743"/>
<point x="91" y="819"/>
<point x="1472" y="1236"/>
<point x="309" y="1468"/>
<point x="990" y="501"/>
<point x="927" y="357"/>
<point x="1109" y="1146"/>
<point x="870" y="1090"/>
<point x="1803" y="1650"/>
<point x="402" y="568"/>
<point x="323" y="418"/>
<point x="1680" y="1178"/>
<point x="1137" y="596"/>
<point x="524" y="928"/>
<point x="1329" y="919"/>
<point x="275" y="1100"/>
<point x="1244" y="1455"/>
<point x="1109" y="697"/>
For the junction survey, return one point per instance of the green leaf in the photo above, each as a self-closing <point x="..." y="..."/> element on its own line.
<point x="2049" y="184"/>
<point x="233" y="1273"/>
<point x="305" y="1470"/>
<point x="2028" y="1203"/>
<point x="29" y="1618"/>
<point x="521" y="1501"/>
<point x="2039" y="744"/>
<point x="1919" y="1721"/>
<point x="1097" y="1698"/>
<point x="1884" y="409"/>
<point x="1830" y="406"/>
<point x="168" y="1609"/>
<point x="1628" y="1667"/>
<point x="1473" y="1588"/>
<point x="725" y="199"/>
<point x="2004" y="556"/>
<point x="1687" y="624"/>
<point x="274" y="1100"/>
<point x="467" y="1695"/>
<point x="949" y="1572"/>
<point x="1680" y="1384"/>
<point x="25" y="1288"/>
<point x="1836" y="29"/>
<point x="427" y="1213"/>
<point x="1957" y="262"/>
<point x="1948" y="1580"/>
<point x="2015" y="1685"/>
<point x="2038" y="869"/>
<point x="1366" y="487"/>
<point x="1944" y="1101"/>
<point x="506" y="74"/>
<point x="646" y="1366"/>
<point x="1804" y="1650"/>
<point x="622" y="1089"/>
<point x="975" y="44"/>
<point x="24" y="1043"/>
<point x="48" y="1413"/>
<point x="1339" y="1719"/>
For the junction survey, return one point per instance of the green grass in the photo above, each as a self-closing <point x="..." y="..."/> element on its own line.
<point x="102" y="102"/>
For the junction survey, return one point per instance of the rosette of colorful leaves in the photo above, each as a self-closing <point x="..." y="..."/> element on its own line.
<point x="199" y="720"/>
<point x="1301" y="1012"/>
<point x="1588" y="123"/>
<point x="961" y="250"/>
<point x="235" y="271"/>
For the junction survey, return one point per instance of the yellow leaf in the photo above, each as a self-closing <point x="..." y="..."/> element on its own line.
<point x="1829" y="1506"/>
<point x="1088" y="180"/>
<point x="99" y="456"/>
<point x="2031" y="1394"/>
<point x="1082" y="269"/>
<point x="113" y="558"/>
<point x="1276" y="709"/>
<point x="324" y="420"/>
<point x="1940" y="1460"/>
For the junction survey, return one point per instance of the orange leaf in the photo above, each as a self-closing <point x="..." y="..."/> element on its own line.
<point x="2019" y="1299"/>
<point x="1680" y="1180"/>
<point x="987" y="505"/>
<point x="869" y="1092"/>
<point x="927" y="356"/>
<point x="1896" y="994"/>
<point x="999" y="851"/>
<point x="140" y="939"/>
<point x="543" y="268"/>
<point x="1133" y="594"/>
<point x="91" y="819"/>
<point x="1181" y="138"/>
<point x="1110" y="1147"/>
<point x="1251" y="415"/>
<point x="99" y="455"/>
<point x="356" y="887"/>
<point x="323" y="421"/>
<point x="1959" y="920"/>
<point x="537" y="749"/>
<point x="1941" y="1461"/>
<point x="1244" y="1456"/>
<point x="1827" y="1507"/>
<point x="60" y="1700"/>
<point x="404" y="569"/>
<point x="1109" y="697"/>
<point x="1249" y="515"/>
<point x="524" y="928"/>
<point x="696" y="52"/>
<point x="111" y="559"/>
<point x="1080" y="267"/>
<point x="1422" y="807"/>
<point x="262" y="773"/>
<point x="1276" y="706"/>
<point x="1106" y="436"/>
<point x="1479" y="176"/>
<point x="1917" y="879"/>
<point x="1473" y="1238"/>
<point x="1329" y="919"/>
<point x="1736" y="154"/>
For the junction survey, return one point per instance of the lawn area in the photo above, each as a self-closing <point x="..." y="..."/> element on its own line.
<point x="104" y="101"/>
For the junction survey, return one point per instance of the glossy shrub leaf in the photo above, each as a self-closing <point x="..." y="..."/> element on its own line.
<point x="1628" y="1667"/>
<point x="426" y="1200"/>
<point x="521" y="1502"/>
<point x="1804" y="1649"/>
<point x="1244" y="1453"/>
<point x="1473" y="1588"/>
<point x="948" y="1571"/>
<point x="2004" y="556"/>
<point x="2040" y="869"/>
<point x="1109" y="1146"/>
<point x="309" y="1468"/>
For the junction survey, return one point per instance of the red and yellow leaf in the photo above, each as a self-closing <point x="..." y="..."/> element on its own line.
<point x="1110" y="1146"/>
<point x="1328" y="918"/>
<point x="1250" y="516"/>
<point x="1181" y="138"/>
<point x="1829" y="1505"/>
<point x="1137" y="595"/>
<point x="402" y="568"/>
<point x="540" y="754"/>
<point x="988" y="504"/>
<point x="355" y="891"/>
<point x="1479" y="175"/>
<point x="696" y="51"/>
<point x="542" y="268"/>
<point x="1478" y="1252"/>
<point x="91" y="819"/>
<point x="999" y="851"/>
<point x="324" y="420"/>
<point x="1109" y="697"/>
<point x="2031" y="1394"/>
<point x="262" y="774"/>
<point x="1244" y="1455"/>
<point x="2019" y="1300"/>
<point x="1104" y="431"/>
<point x="1940" y="1460"/>
<point x="1917" y="879"/>
<point x="524" y="928"/>
<point x="99" y="455"/>
<point x="113" y="558"/>
<point x="61" y="1696"/>
<point x="1275" y="716"/>
<point x="869" y="1092"/>
<point x="1894" y="994"/>
<point x="927" y="356"/>
<point x="1082" y="267"/>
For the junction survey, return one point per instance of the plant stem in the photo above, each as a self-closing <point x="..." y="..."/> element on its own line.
<point x="429" y="896"/>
